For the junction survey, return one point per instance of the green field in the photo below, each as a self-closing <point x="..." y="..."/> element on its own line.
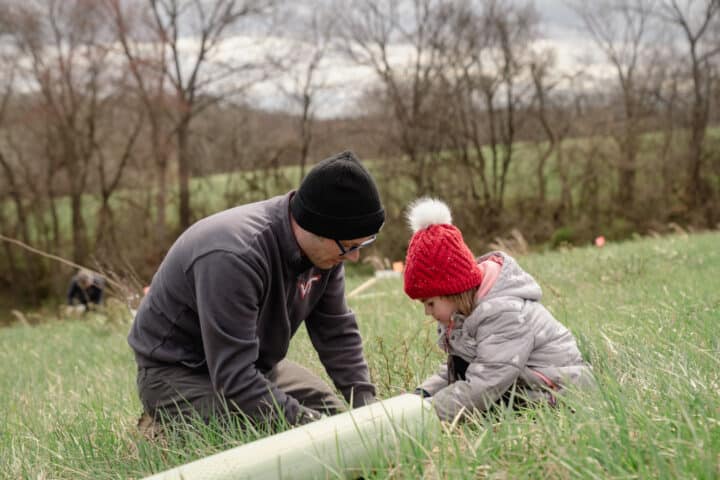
<point x="645" y="313"/>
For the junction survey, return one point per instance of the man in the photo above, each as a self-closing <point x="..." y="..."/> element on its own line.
<point x="86" y="289"/>
<point x="211" y="335"/>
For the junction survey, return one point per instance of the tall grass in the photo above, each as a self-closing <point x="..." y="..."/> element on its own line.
<point x="645" y="313"/>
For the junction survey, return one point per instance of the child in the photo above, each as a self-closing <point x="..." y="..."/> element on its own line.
<point x="491" y="324"/>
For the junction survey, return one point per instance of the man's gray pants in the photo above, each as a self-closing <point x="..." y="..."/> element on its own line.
<point x="177" y="391"/>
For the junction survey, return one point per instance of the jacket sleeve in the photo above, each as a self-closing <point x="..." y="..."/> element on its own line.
<point x="100" y="285"/>
<point x="335" y="335"/>
<point x="73" y="292"/>
<point x="435" y="383"/>
<point x="228" y="293"/>
<point x="500" y="358"/>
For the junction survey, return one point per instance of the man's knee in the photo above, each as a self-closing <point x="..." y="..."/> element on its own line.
<point x="305" y="386"/>
<point x="174" y="392"/>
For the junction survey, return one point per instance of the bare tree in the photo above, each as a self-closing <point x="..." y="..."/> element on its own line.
<point x="486" y="65"/>
<point x="554" y="118"/>
<point x="666" y="82"/>
<point x="147" y="66"/>
<point x="110" y="170"/>
<point x="588" y="153"/>
<point x="14" y="188"/>
<point x="307" y="80"/>
<point x="11" y="183"/>
<point x="621" y="30"/>
<point x="370" y="31"/>
<point x="696" y="21"/>
<point x="68" y="64"/>
<point x="190" y="36"/>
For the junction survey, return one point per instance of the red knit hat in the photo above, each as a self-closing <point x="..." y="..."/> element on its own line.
<point x="438" y="262"/>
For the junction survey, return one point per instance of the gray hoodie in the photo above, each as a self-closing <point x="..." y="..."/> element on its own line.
<point x="509" y="337"/>
<point x="228" y="297"/>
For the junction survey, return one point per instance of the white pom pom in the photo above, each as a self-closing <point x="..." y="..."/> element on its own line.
<point x="424" y="212"/>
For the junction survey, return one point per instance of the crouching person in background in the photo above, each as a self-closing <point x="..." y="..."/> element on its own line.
<point x="497" y="335"/>
<point x="85" y="291"/>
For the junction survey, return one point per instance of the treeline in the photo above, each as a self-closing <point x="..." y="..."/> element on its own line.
<point x="123" y="121"/>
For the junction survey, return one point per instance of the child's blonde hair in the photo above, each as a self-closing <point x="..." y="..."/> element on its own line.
<point x="464" y="301"/>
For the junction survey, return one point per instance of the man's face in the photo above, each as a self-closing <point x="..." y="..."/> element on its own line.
<point x="326" y="253"/>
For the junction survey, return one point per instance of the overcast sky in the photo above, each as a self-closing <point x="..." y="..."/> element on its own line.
<point x="560" y="28"/>
<point x="558" y="19"/>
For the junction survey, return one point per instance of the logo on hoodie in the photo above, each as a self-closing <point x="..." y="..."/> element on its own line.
<point x="307" y="285"/>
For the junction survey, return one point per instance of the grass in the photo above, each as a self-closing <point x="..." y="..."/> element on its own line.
<point x="645" y="313"/>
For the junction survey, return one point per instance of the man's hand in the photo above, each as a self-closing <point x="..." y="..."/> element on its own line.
<point x="362" y="398"/>
<point x="307" y="415"/>
<point x="71" y="310"/>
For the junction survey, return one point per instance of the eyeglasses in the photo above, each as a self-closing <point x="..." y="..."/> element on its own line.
<point x="344" y="251"/>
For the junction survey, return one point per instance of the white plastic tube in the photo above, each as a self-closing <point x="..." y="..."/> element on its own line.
<point x="335" y="447"/>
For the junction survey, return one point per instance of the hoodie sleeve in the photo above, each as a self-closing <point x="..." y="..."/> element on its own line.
<point x="228" y="291"/>
<point x="500" y="357"/>
<point x="335" y="335"/>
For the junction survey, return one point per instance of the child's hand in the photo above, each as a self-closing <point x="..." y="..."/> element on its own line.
<point x="422" y="393"/>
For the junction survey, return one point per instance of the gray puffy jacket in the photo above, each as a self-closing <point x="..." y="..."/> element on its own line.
<point x="509" y="337"/>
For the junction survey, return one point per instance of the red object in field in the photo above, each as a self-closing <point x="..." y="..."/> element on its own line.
<point x="146" y="290"/>
<point x="600" y="241"/>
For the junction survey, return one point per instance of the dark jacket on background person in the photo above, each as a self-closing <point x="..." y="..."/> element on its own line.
<point x="93" y="294"/>
<point x="229" y="296"/>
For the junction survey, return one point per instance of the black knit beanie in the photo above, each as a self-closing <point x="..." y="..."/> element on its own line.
<point x="338" y="199"/>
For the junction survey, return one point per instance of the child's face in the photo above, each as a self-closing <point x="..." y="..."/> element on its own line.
<point x="441" y="309"/>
